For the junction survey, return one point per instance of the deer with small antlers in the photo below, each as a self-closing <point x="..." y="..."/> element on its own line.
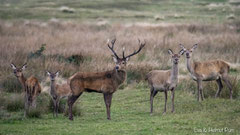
<point x="164" y="80"/>
<point x="30" y="85"/>
<point x="101" y="82"/>
<point x="57" y="91"/>
<point x="212" y="70"/>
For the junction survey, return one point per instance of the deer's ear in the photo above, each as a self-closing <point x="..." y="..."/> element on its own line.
<point x="115" y="59"/>
<point x="48" y="73"/>
<point x="13" y="66"/>
<point x="181" y="52"/>
<point x="24" y="66"/>
<point x="170" y="51"/>
<point x="182" y="47"/>
<point x="127" y="59"/>
<point x="194" y="46"/>
<point x="57" y="73"/>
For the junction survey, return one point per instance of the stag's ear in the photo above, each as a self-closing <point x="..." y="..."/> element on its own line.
<point x="170" y="51"/>
<point x="13" y="66"/>
<point x="194" y="46"/>
<point x="24" y="66"/>
<point x="115" y="59"/>
<point x="57" y="73"/>
<point x="127" y="59"/>
<point x="181" y="52"/>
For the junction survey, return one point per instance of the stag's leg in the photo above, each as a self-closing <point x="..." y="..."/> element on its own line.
<point x="71" y="101"/>
<point x="220" y="86"/>
<point x="199" y="82"/>
<point x="108" y="101"/>
<point x="165" y="105"/>
<point x="228" y="83"/>
<point x="153" y="94"/>
<point x="173" y="91"/>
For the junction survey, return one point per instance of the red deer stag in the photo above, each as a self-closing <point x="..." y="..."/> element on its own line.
<point x="57" y="91"/>
<point x="30" y="85"/>
<point x="101" y="82"/>
<point x="207" y="71"/>
<point x="164" y="80"/>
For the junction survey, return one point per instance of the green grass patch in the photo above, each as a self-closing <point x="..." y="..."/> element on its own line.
<point x="122" y="10"/>
<point x="130" y="115"/>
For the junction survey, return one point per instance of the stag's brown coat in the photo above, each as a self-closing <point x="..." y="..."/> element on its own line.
<point x="101" y="82"/>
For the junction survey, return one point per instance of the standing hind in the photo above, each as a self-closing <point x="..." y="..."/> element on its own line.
<point x="164" y="80"/>
<point x="212" y="70"/>
<point x="57" y="91"/>
<point x="30" y="85"/>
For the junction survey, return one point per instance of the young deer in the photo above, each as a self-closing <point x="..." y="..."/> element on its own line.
<point x="208" y="71"/>
<point x="58" y="92"/>
<point x="30" y="85"/>
<point x="164" y="80"/>
<point x="101" y="82"/>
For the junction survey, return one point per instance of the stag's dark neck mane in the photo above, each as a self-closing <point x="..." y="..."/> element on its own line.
<point x="120" y="75"/>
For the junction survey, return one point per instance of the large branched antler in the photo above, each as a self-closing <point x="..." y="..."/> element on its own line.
<point x="112" y="48"/>
<point x="135" y="52"/>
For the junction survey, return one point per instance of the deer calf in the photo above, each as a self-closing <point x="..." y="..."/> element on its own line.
<point x="30" y="85"/>
<point x="164" y="80"/>
<point x="58" y="92"/>
<point x="212" y="70"/>
<point x="101" y="82"/>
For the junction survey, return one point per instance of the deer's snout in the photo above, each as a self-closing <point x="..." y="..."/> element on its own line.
<point x="117" y="67"/>
<point x="176" y="61"/>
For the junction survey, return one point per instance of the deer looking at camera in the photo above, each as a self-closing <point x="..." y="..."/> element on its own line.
<point x="212" y="70"/>
<point x="164" y="80"/>
<point x="57" y="91"/>
<point x="101" y="82"/>
<point x="30" y="85"/>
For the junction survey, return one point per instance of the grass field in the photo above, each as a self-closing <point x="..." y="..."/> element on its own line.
<point x="71" y="36"/>
<point x="180" y="11"/>
<point x="130" y="115"/>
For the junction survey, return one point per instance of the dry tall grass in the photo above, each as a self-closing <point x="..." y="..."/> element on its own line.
<point x="88" y="43"/>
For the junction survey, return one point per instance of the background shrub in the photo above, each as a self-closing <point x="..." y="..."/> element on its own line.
<point x="15" y="102"/>
<point x="11" y="84"/>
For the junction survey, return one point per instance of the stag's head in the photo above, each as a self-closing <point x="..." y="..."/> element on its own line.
<point x="188" y="52"/>
<point x="18" y="71"/>
<point x="175" y="57"/>
<point x="52" y="75"/>
<point x="122" y="62"/>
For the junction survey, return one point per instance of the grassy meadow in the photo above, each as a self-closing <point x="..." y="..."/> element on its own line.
<point x="71" y="36"/>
